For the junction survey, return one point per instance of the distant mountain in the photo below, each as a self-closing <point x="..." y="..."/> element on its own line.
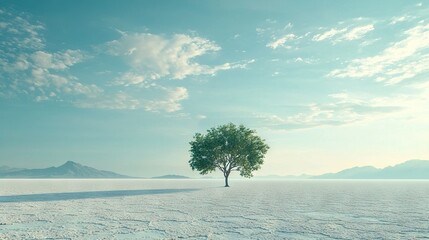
<point x="171" y="177"/>
<point x="356" y="172"/>
<point x="6" y="169"/>
<point x="412" y="169"/>
<point x="68" y="170"/>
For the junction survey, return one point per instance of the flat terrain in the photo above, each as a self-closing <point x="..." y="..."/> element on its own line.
<point x="203" y="209"/>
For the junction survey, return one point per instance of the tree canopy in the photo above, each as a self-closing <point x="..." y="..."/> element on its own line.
<point x="228" y="148"/>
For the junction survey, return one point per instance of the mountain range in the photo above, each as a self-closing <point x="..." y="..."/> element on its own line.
<point x="412" y="169"/>
<point x="171" y="176"/>
<point x="69" y="169"/>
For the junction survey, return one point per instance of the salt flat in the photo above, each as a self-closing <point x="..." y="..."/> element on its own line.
<point x="203" y="209"/>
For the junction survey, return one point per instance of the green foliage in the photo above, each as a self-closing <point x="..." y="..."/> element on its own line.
<point x="228" y="148"/>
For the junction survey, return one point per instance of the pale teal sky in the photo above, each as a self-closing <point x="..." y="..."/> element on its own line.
<point x="124" y="85"/>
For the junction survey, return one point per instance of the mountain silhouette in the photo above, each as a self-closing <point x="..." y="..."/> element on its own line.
<point x="6" y="169"/>
<point x="171" y="176"/>
<point x="412" y="169"/>
<point x="69" y="169"/>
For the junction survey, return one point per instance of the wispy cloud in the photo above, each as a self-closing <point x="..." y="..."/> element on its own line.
<point x="286" y="37"/>
<point x="279" y="35"/>
<point x="164" y="99"/>
<point x="345" y="108"/>
<point x="58" y="60"/>
<point x="341" y="110"/>
<point x="154" y="56"/>
<point x="30" y="69"/>
<point x="357" y="32"/>
<point x="305" y="60"/>
<point x="119" y="100"/>
<point x="337" y="35"/>
<point x="399" y="19"/>
<point x="171" y="101"/>
<point x="328" y="34"/>
<point x="151" y="57"/>
<point x="400" y="61"/>
<point x="369" y="42"/>
<point x="131" y="78"/>
<point x="280" y="42"/>
<point x="22" y="33"/>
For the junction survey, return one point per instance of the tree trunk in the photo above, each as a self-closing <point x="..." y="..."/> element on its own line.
<point x="226" y="181"/>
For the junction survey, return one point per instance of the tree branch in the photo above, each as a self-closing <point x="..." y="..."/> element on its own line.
<point x="220" y="168"/>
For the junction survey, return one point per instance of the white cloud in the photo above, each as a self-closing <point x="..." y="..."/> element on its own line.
<point x="130" y="78"/>
<point x="3" y="25"/>
<point x="402" y="60"/>
<point x="270" y="21"/>
<point x="400" y="19"/>
<point x="170" y="103"/>
<point x="347" y="98"/>
<point x="38" y="77"/>
<point x="43" y="81"/>
<point x="20" y="32"/>
<point x="228" y="66"/>
<point x="118" y="100"/>
<point x="304" y="60"/>
<point x="328" y="34"/>
<point x="358" y="32"/>
<point x="31" y="70"/>
<point x="89" y="90"/>
<point x="201" y="117"/>
<point x="341" y="110"/>
<point x="280" y="42"/>
<point x="278" y="35"/>
<point x="288" y="26"/>
<point x="41" y="98"/>
<point x="133" y="78"/>
<point x="60" y="60"/>
<point x="337" y="35"/>
<point x="406" y="70"/>
<point x="369" y="42"/>
<point x="156" y="56"/>
<point x="20" y="63"/>
<point x="166" y="100"/>
<point x="18" y="37"/>
<point x="260" y="31"/>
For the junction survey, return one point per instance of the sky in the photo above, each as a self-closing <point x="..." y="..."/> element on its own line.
<point x="124" y="85"/>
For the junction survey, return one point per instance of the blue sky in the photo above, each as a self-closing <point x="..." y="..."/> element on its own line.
<point x="124" y="85"/>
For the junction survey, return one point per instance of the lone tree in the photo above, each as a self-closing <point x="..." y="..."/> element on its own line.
<point x="228" y="148"/>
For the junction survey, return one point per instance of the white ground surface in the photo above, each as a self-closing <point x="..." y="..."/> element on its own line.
<point x="203" y="209"/>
